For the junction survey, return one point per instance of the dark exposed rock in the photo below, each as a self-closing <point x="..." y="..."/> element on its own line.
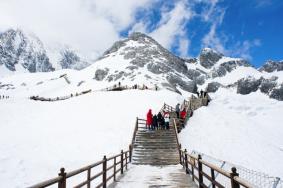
<point x="248" y="85"/>
<point x="100" y="74"/>
<point x="131" y="67"/>
<point x="277" y="93"/>
<point x="213" y="87"/>
<point x="209" y="57"/>
<point x="189" y="86"/>
<point x="228" y="66"/>
<point x="267" y="85"/>
<point x="271" y="66"/>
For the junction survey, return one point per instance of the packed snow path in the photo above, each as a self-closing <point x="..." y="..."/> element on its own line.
<point x="154" y="177"/>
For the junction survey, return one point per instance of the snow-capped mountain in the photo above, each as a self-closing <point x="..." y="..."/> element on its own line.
<point x="139" y="59"/>
<point x="21" y="52"/>
<point x="24" y="52"/>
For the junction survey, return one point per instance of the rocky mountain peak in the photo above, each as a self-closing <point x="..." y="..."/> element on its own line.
<point x="18" y="48"/>
<point x="208" y="57"/>
<point x="271" y="66"/>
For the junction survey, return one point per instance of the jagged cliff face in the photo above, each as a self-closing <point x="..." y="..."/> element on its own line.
<point x="271" y="66"/>
<point x="24" y="52"/>
<point x="16" y="49"/>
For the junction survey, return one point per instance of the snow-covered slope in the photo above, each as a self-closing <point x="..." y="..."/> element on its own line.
<point x="242" y="129"/>
<point x="38" y="138"/>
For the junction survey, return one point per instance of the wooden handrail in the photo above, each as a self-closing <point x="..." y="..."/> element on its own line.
<point x="236" y="181"/>
<point x="61" y="179"/>
<point x="216" y="168"/>
<point x="242" y="182"/>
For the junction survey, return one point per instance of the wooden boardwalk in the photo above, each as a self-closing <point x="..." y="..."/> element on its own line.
<point x="143" y="176"/>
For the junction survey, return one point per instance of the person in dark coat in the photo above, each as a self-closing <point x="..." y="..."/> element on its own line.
<point x="154" y="122"/>
<point x="162" y="123"/>
<point x="159" y="120"/>
<point x="177" y="109"/>
<point x="201" y="93"/>
<point x="197" y="93"/>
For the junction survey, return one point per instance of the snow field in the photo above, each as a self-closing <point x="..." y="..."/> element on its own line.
<point x="38" y="138"/>
<point x="241" y="129"/>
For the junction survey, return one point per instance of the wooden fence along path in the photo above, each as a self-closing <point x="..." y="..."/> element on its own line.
<point x="110" y="168"/>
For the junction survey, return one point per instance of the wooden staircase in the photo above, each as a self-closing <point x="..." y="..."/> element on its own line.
<point x="157" y="147"/>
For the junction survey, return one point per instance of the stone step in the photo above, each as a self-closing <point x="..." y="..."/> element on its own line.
<point x="144" y="157"/>
<point x="156" y="163"/>
<point x="152" y="134"/>
<point x="161" y="142"/>
<point x="149" y="152"/>
<point x="156" y="137"/>
<point x="154" y="147"/>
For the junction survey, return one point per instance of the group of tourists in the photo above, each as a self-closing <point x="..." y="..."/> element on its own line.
<point x="201" y="94"/>
<point x="4" y="97"/>
<point x="180" y="113"/>
<point x="159" y="121"/>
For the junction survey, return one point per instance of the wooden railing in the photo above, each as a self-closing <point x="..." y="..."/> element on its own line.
<point x="194" y="166"/>
<point x="177" y="139"/>
<point x="118" y="164"/>
<point x="138" y="122"/>
<point x="167" y="108"/>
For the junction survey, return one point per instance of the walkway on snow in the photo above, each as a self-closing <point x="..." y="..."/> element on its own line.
<point x="141" y="176"/>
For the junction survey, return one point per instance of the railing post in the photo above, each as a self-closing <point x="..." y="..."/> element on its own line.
<point x="62" y="182"/>
<point x="180" y="152"/>
<point x="126" y="156"/>
<point x="114" y="168"/>
<point x="193" y="169"/>
<point x="200" y="176"/>
<point x="212" y="177"/>
<point x="234" y="184"/>
<point x="88" y="177"/>
<point x="186" y="161"/>
<point x="122" y="162"/>
<point x="130" y="153"/>
<point x="104" y="167"/>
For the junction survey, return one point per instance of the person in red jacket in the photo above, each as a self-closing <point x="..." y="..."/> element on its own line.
<point x="149" y="119"/>
<point x="183" y="114"/>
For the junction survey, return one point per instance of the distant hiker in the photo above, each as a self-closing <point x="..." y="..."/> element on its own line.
<point x="154" y="122"/>
<point x="119" y="84"/>
<point x="149" y="119"/>
<point x="156" y="88"/>
<point x="201" y="93"/>
<point x="177" y="109"/>
<point x="166" y="119"/>
<point x="159" y="120"/>
<point x="197" y="93"/>
<point x="183" y="114"/>
<point x="204" y="94"/>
